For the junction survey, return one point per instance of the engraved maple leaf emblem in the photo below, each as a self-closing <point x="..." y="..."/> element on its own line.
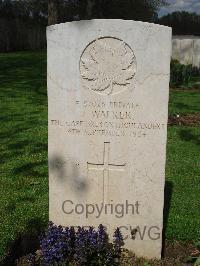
<point x="107" y="62"/>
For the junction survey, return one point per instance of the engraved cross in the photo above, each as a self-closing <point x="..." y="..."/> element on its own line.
<point x="106" y="167"/>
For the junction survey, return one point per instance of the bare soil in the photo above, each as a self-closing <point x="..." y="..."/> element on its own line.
<point x="185" y="120"/>
<point x="175" y="254"/>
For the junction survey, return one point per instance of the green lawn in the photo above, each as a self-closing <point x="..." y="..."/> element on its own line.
<point x="184" y="102"/>
<point x="23" y="152"/>
<point x="23" y="149"/>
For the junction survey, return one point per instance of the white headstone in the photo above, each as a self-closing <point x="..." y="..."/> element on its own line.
<point x="108" y="86"/>
<point x="186" y="49"/>
<point x="196" y="54"/>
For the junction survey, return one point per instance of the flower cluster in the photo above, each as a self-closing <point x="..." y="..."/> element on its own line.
<point x="118" y="240"/>
<point x="57" y="244"/>
<point x="84" y="246"/>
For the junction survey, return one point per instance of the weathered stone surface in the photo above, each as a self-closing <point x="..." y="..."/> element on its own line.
<point x="196" y="54"/>
<point x="108" y="95"/>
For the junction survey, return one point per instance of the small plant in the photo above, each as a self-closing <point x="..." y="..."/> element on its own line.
<point x="180" y="75"/>
<point x="183" y="75"/>
<point x="195" y="256"/>
<point x="84" y="246"/>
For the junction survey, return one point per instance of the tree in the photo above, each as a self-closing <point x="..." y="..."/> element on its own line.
<point x="145" y="10"/>
<point x="26" y="10"/>
<point x="22" y="24"/>
<point x="53" y="12"/>
<point x="182" y="22"/>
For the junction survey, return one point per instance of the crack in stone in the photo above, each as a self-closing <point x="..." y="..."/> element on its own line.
<point x="149" y="76"/>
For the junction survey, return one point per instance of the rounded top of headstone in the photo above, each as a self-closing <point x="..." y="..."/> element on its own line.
<point x="83" y="23"/>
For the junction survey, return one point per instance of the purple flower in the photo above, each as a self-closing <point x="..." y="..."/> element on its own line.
<point x="85" y="246"/>
<point x="56" y="244"/>
<point x="118" y="240"/>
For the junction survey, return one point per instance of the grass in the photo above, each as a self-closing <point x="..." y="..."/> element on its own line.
<point x="184" y="102"/>
<point x="23" y="149"/>
<point x="183" y="180"/>
<point x="23" y="152"/>
<point x="194" y="82"/>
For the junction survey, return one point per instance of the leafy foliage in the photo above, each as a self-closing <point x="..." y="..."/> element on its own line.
<point x="31" y="11"/>
<point x="182" y="22"/>
<point x="180" y="75"/>
<point x="121" y="9"/>
<point x="84" y="9"/>
<point x="83" y="246"/>
<point x="22" y="24"/>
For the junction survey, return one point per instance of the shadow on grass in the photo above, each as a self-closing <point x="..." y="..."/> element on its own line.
<point x="187" y="135"/>
<point x="24" y="74"/>
<point x="181" y="106"/>
<point x="25" y="243"/>
<point x="167" y="203"/>
<point x="184" y="102"/>
<point x="23" y="102"/>
<point x="23" y="111"/>
<point x="23" y="134"/>
<point x="29" y="169"/>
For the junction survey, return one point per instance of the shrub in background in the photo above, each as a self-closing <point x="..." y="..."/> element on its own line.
<point x="181" y="75"/>
<point x="84" y="246"/>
